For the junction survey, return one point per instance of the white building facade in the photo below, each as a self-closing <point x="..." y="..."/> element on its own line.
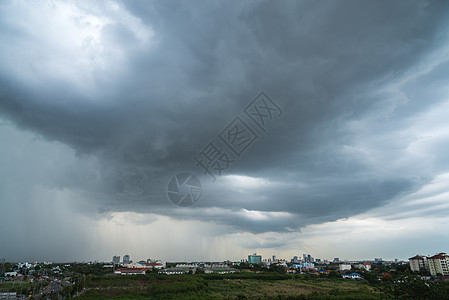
<point x="438" y="264"/>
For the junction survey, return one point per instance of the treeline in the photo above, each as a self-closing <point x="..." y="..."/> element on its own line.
<point x="413" y="287"/>
<point x="399" y="282"/>
<point x="260" y="267"/>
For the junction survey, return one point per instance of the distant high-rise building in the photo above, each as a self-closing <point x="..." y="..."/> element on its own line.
<point x="307" y="258"/>
<point x="254" y="259"/>
<point x="336" y="260"/>
<point x="2" y="267"/>
<point x="274" y="257"/>
<point x="116" y="259"/>
<point x="379" y="259"/>
<point x="126" y="259"/>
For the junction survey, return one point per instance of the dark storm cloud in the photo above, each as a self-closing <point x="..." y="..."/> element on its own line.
<point x="326" y="63"/>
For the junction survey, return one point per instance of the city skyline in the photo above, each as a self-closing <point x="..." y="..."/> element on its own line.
<point x="305" y="257"/>
<point x="210" y="131"/>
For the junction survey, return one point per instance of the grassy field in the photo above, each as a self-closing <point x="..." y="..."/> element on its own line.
<point x="240" y="288"/>
<point x="14" y="286"/>
<point x="225" y="287"/>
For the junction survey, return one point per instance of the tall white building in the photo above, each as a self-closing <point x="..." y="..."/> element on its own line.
<point x="116" y="259"/>
<point x="438" y="264"/>
<point x="418" y="262"/>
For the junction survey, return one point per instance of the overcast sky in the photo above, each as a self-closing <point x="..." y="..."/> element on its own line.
<point x="103" y="102"/>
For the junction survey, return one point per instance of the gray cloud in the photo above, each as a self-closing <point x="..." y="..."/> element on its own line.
<point x="155" y="83"/>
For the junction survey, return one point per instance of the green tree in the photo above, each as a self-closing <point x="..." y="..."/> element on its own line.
<point x="278" y="268"/>
<point x="334" y="274"/>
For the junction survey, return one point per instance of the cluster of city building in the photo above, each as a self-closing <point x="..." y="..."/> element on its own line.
<point x="128" y="267"/>
<point x="306" y="261"/>
<point x="312" y="265"/>
<point x="436" y="265"/>
<point x="306" y="264"/>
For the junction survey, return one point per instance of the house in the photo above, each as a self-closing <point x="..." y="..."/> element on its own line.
<point x="366" y="266"/>
<point x="352" y="276"/>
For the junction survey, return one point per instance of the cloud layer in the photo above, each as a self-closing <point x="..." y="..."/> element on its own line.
<point x="103" y="103"/>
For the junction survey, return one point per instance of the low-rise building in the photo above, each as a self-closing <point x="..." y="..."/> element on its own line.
<point x="175" y="270"/>
<point x="156" y="265"/>
<point x="352" y="276"/>
<point x="304" y="266"/>
<point x="221" y="270"/>
<point x="135" y="265"/>
<point x="131" y="271"/>
<point x="343" y="267"/>
<point x="148" y="265"/>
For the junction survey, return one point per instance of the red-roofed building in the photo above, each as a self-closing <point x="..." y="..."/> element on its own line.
<point x="148" y="265"/>
<point x="156" y="265"/>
